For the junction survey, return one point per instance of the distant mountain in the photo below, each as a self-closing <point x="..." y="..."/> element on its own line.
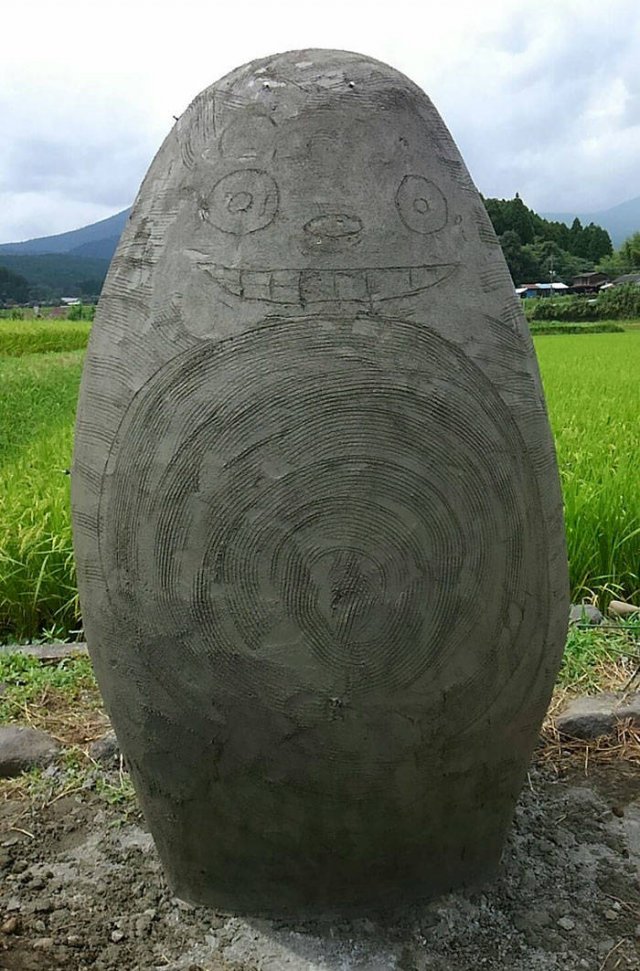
<point x="620" y="221"/>
<point x="54" y="275"/>
<point x="72" y="264"/>
<point x="102" y="249"/>
<point x="97" y="240"/>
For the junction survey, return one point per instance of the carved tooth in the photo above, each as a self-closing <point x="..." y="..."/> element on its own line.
<point x="317" y="286"/>
<point x="256" y="284"/>
<point x="389" y="284"/>
<point x="351" y="285"/>
<point x="228" y="279"/>
<point x="285" y="286"/>
<point x="423" y="277"/>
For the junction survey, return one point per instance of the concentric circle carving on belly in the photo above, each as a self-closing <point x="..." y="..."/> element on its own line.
<point x="344" y="503"/>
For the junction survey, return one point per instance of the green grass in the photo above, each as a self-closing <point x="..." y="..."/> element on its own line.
<point x="593" y="396"/>
<point x="60" y="698"/>
<point x="37" y="582"/>
<point x="590" y="327"/>
<point x="29" y="683"/>
<point x="35" y="336"/>
<point x="590" y="651"/>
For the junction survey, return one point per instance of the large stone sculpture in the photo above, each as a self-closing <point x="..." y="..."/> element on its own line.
<point x="317" y="515"/>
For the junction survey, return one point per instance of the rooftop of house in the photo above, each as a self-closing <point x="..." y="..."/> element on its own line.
<point x="541" y="286"/>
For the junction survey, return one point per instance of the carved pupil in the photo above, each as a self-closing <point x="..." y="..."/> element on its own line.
<point x="421" y="205"/>
<point x="240" y="202"/>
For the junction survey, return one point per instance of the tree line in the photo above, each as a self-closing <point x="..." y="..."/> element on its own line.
<point x="538" y="249"/>
<point x="13" y="287"/>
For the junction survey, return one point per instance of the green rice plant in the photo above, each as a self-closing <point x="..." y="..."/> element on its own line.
<point x="35" y="336"/>
<point x="37" y="577"/>
<point x="591" y="327"/>
<point x="593" y="396"/>
<point x="592" y="653"/>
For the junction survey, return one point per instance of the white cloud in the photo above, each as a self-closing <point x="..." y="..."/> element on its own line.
<point x="31" y="211"/>
<point x="541" y="97"/>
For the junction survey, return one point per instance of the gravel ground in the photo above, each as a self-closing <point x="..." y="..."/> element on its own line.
<point x="81" y="888"/>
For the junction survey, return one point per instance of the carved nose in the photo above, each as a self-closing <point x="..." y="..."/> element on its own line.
<point x="336" y="225"/>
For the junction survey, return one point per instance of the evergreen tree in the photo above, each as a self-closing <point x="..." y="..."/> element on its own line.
<point x="523" y="266"/>
<point x="535" y="247"/>
<point x="13" y="287"/>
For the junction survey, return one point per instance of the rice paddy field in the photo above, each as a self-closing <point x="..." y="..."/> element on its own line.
<point x="592" y="382"/>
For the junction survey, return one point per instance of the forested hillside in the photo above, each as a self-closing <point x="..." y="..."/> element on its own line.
<point x="13" y="287"/>
<point x="50" y="276"/>
<point x="538" y="249"/>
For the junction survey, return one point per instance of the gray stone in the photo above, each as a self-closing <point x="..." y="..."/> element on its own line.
<point x="23" y="748"/>
<point x="10" y="926"/>
<point x="46" y="652"/>
<point x="311" y="439"/>
<point x="585" y="614"/>
<point x="566" y="923"/>
<point x="591" y="716"/>
<point x="605" y="946"/>
<point x="105" y="749"/>
<point x="622" y="610"/>
<point x="43" y="944"/>
<point x="3" y="689"/>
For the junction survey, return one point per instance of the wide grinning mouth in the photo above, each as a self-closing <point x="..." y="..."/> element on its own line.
<point x="302" y="287"/>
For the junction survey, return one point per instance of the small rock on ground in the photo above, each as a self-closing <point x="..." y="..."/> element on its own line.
<point x="618" y="608"/>
<point x="105" y="749"/>
<point x="585" y="614"/>
<point x="22" y="748"/>
<point x="47" y="652"/>
<point x="594" y="715"/>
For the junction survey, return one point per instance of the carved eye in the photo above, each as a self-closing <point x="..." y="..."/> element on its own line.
<point x="243" y="202"/>
<point x="421" y="205"/>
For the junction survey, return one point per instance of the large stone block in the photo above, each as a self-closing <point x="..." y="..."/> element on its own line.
<point x="317" y="515"/>
<point x="23" y="748"/>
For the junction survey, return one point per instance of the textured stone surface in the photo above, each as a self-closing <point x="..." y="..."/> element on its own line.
<point x="593" y="715"/>
<point x="585" y="614"/>
<point x="105" y="749"/>
<point x="23" y="748"/>
<point x="311" y="439"/>
<point x="618" y="608"/>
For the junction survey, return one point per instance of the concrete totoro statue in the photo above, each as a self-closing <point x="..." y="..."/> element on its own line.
<point x="317" y="515"/>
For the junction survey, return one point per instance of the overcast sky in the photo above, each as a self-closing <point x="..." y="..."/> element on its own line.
<point x="542" y="96"/>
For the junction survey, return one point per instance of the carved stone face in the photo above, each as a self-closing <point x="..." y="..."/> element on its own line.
<point x="301" y="198"/>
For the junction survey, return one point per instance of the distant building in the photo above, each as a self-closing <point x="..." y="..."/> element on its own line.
<point x="627" y="278"/>
<point x="542" y="290"/>
<point x="589" y="282"/>
<point x="70" y="301"/>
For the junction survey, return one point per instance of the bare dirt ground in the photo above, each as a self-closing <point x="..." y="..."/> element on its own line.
<point x="81" y="888"/>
